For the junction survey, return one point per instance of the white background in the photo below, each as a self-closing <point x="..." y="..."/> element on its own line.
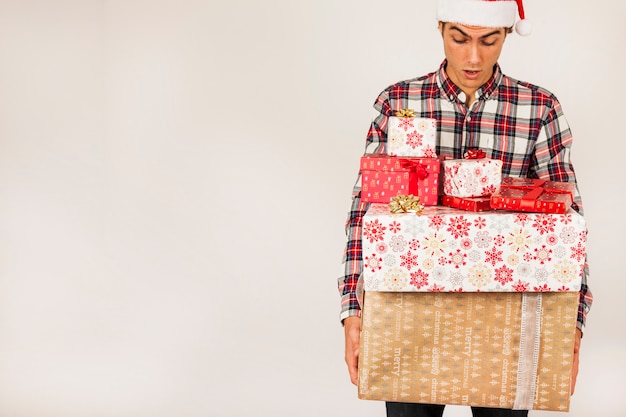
<point x="174" y="180"/>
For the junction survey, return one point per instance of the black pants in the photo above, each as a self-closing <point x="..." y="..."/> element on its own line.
<point x="427" y="410"/>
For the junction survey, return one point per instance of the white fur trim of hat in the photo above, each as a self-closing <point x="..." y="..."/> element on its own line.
<point x="485" y="13"/>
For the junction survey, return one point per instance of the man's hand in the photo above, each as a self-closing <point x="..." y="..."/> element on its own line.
<point x="352" y="330"/>
<point x="579" y="335"/>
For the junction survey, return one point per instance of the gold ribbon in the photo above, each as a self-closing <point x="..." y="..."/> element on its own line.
<point x="405" y="113"/>
<point x="406" y="204"/>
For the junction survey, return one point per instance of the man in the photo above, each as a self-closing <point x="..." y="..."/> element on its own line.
<point x="476" y="106"/>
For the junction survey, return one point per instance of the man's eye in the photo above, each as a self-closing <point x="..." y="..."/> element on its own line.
<point x="458" y="40"/>
<point x="489" y="43"/>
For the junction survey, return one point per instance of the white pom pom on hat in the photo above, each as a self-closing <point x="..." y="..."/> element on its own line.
<point x="486" y="13"/>
<point x="523" y="27"/>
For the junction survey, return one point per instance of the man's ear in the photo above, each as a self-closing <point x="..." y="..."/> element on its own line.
<point x="440" y="27"/>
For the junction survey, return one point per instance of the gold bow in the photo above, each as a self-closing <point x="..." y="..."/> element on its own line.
<point x="406" y="204"/>
<point x="405" y="113"/>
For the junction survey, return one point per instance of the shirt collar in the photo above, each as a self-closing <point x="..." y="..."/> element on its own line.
<point x="451" y="91"/>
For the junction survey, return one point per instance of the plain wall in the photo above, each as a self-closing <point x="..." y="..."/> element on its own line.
<point x="175" y="177"/>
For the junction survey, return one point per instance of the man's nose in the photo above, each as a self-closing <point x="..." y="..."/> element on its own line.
<point x="474" y="56"/>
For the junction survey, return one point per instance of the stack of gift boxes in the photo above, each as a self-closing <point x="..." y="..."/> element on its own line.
<point x="473" y="300"/>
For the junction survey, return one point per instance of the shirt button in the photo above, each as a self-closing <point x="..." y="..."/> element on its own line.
<point x="468" y="118"/>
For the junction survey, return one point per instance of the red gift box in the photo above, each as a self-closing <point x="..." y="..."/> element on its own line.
<point x="533" y="195"/>
<point x="384" y="177"/>
<point x="467" y="203"/>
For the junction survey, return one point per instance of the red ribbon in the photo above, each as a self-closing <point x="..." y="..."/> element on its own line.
<point x="514" y="182"/>
<point x="530" y="199"/>
<point x="475" y="154"/>
<point x="417" y="172"/>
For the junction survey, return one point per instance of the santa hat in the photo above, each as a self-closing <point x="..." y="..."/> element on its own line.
<point x="485" y="13"/>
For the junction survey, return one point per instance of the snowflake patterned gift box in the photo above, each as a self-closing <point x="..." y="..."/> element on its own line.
<point x="473" y="176"/>
<point x="384" y="177"/>
<point x="408" y="135"/>
<point x="448" y="249"/>
<point x="534" y="195"/>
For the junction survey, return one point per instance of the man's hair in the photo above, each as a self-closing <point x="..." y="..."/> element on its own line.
<point x="506" y="30"/>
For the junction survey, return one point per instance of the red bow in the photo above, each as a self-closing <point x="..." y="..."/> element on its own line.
<point x="416" y="172"/>
<point x="414" y="167"/>
<point x="475" y="154"/>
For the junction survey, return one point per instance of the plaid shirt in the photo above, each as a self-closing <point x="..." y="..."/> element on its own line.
<point x="518" y="123"/>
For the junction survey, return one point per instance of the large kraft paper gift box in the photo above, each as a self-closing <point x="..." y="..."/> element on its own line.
<point x="468" y="348"/>
<point x="470" y="308"/>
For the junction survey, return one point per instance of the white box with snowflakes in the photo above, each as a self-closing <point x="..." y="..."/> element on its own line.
<point x="412" y="136"/>
<point x="448" y="249"/>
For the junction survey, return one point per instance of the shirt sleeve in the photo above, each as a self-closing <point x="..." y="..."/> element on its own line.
<point x="586" y="299"/>
<point x="552" y="162"/>
<point x="353" y="254"/>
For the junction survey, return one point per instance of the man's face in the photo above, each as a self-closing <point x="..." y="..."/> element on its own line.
<point x="471" y="52"/>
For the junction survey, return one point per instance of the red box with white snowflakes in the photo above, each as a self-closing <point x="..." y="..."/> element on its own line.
<point x="533" y="195"/>
<point x="412" y="136"/>
<point x="479" y="177"/>
<point x="384" y="177"/>
<point x="448" y="249"/>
